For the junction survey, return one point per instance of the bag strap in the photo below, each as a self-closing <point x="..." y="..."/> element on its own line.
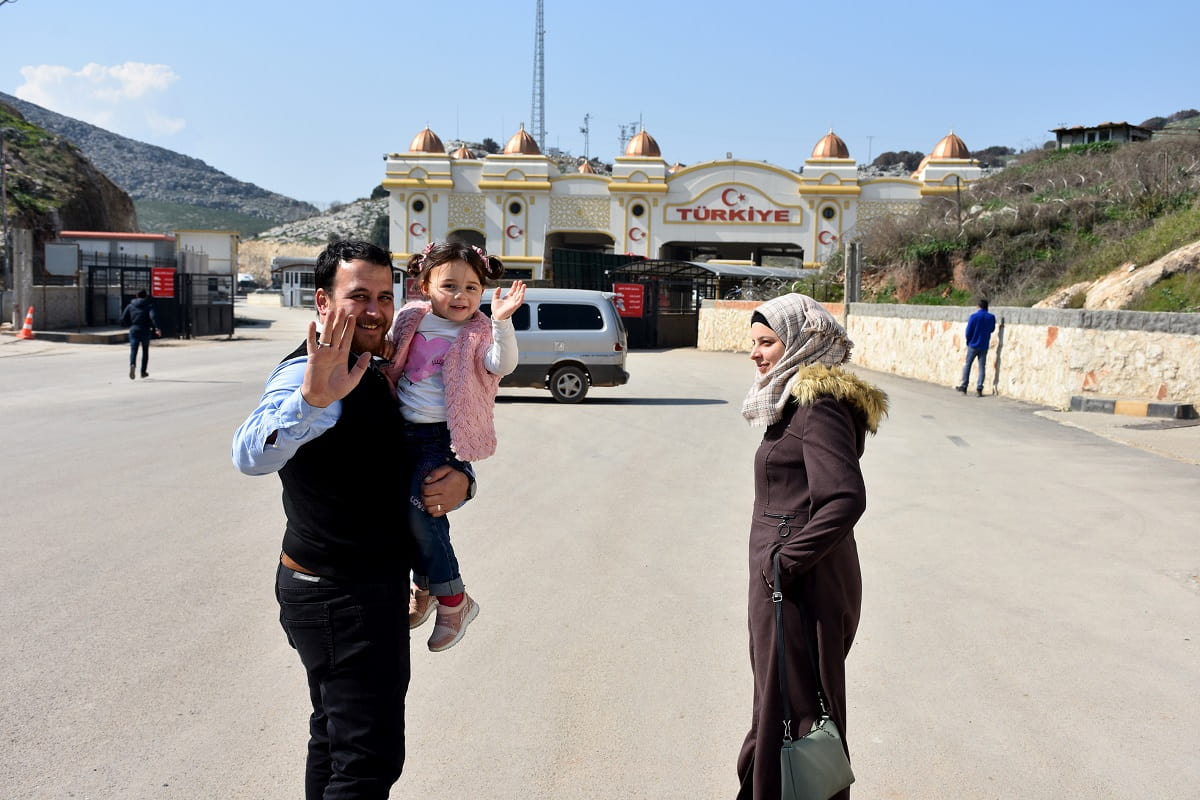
<point x="781" y="652"/>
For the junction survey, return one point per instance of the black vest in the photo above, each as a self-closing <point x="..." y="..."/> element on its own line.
<point x="345" y="492"/>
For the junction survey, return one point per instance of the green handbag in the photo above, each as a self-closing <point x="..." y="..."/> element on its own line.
<point x="815" y="766"/>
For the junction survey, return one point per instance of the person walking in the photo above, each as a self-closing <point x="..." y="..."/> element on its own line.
<point x="139" y="316"/>
<point x="808" y="495"/>
<point x="329" y="425"/>
<point x="979" y="336"/>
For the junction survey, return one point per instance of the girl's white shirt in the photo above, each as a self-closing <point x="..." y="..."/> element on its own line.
<point x="424" y="400"/>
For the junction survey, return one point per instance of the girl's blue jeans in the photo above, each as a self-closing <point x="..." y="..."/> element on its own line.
<point x="436" y="567"/>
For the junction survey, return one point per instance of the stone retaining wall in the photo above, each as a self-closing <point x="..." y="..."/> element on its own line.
<point x="1038" y="355"/>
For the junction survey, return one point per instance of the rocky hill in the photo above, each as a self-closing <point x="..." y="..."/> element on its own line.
<point x="354" y="220"/>
<point x="52" y="186"/>
<point x="362" y="219"/>
<point x="150" y="173"/>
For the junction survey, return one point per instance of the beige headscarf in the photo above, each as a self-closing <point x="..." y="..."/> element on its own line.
<point x="810" y="334"/>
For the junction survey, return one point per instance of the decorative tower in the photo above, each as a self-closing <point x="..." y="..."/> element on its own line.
<point x="830" y="186"/>
<point x="639" y="181"/>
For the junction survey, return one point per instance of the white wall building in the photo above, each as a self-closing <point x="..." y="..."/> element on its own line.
<point x="517" y="206"/>
<point x="219" y="248"/>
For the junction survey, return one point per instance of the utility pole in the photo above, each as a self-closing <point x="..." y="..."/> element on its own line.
<point x="8" y="277"/>
<point x="958" y="197"/>
<point x="627" y="133"/>
<point x="585" y="130"/>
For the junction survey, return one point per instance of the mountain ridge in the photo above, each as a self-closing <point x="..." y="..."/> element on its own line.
<point x="152" y="173"/>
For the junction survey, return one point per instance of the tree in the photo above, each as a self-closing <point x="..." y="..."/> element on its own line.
<point x="378" y="192"/>
<point x="994" y="156"/>
<point x="379" y="232"/>
<point x="489" y="144"/>
<point x="910" y="159"/>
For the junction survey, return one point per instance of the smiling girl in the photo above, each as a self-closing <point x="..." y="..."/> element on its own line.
<point x="448" y="362"/>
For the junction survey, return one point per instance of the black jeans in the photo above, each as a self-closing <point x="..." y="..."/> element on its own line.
<point x="353" y="642"/>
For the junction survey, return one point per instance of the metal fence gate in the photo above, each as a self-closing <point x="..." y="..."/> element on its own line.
<point x="201" y="305"/>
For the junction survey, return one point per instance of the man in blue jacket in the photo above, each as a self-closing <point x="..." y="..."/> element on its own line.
<point x="979" y="336"/>
<point x="139" y="316"/>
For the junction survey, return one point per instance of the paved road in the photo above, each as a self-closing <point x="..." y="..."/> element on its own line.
<point x="1031" y="624"/>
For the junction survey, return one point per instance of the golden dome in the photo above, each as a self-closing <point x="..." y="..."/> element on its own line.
<point x="426" y="142"/>
<point x="831" y="146"/>
<point x="462" y="152"/>
<point x="586" y="168"/>
<point x="950" y="147"/>
<point x="522" y="143"/>
<point x="643" y="145"/>
<point x="675" y="168"/>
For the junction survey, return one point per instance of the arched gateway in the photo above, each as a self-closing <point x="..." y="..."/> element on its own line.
<point x="517" y="205"/>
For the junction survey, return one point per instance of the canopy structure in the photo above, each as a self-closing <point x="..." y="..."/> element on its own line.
<point x="708" y="279"/>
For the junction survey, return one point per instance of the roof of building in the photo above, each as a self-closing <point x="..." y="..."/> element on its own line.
<point x="831" y="146"/>
<point x="1098" y="127"/>
<point x="684" y="269"/>
<point x="426" y="142"/>
<point x="950" y="146"/>
<point x="134" y="237"/>
<point x="522" y="144"/>
<point x="643" y="144"/>
<point x="283" y="262"/>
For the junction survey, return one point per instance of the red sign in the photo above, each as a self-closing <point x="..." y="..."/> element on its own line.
<point x="733" y="206"/>
<point x="750" y="214"/>
<point x="412" y="289"/>
<point x="162" y="282"/>
<point x="630" y="299"/>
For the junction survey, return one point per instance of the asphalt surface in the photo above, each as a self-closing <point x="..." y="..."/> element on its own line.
<point x="1030" y="623"/>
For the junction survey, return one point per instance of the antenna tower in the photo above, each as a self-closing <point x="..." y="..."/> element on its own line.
<point x="537" y="118"/>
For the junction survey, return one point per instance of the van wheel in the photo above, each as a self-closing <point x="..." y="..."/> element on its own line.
<point x="568" y="384"/>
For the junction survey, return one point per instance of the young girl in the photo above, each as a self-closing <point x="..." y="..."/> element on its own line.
<point x="448" y="362"/>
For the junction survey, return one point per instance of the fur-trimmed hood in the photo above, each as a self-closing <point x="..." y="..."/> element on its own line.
<point x="817" y="380"/>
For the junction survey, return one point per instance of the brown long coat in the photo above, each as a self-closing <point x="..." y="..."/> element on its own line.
<point x="806" y="469"/>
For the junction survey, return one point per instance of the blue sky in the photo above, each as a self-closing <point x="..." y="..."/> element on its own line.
<point x="305" y="98"/>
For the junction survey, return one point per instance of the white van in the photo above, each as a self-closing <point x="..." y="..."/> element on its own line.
<point x="569" y="340"/>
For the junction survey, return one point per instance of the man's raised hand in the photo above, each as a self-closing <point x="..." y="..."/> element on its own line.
<point x="326" y="375"/>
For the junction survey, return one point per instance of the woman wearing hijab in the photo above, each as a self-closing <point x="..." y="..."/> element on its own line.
<point x="808" y="494"/>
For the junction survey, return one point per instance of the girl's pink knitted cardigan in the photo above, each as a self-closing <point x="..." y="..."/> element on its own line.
<point x="470" y="388"/>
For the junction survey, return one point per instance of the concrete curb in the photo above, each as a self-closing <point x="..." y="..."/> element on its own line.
<point x="74" y="337"/>
<point x="1134" y="408"/>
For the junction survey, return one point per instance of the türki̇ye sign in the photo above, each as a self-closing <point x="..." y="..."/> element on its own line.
<point x="730" y="204"/>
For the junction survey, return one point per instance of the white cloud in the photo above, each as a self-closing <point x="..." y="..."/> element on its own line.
<point x="124" y="98"/>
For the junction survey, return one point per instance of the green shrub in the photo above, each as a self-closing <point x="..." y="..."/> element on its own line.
<point x="1180" y="292"/>
<point x="943" y="295"/>
<point x="885" y="294"/>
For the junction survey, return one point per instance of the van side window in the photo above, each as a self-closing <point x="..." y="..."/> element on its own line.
<point x="569" y="317"/>
<point x="520" y="317"/>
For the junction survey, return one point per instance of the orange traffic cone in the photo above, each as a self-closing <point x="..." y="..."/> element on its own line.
<point x="27" y="328"/>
